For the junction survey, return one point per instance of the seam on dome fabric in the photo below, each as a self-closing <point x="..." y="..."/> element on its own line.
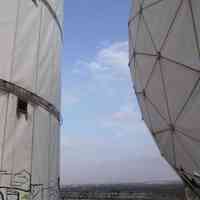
<point x="53" y="13"/>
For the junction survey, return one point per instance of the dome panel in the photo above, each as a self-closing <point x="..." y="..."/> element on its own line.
<point x="196" y="14"/>
<point x="181" y="45"/>
<point x="155" y="91"/>
<point x="133" y="32"/>
<point x="189" y="117"/>
<point x="148" y="3"/>
<point x="177" y="88"/>
<point x="144" y="66"/>
<point x="159" y="26"/>
<point x="165" y="144"/>
<point x="157" y="120"/>
<point x="184" y="157"/>
<point x="144" y="41"/>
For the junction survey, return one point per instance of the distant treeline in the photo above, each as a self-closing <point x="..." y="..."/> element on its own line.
<point x="141" y="191"/>
<point x="177" y="186"/>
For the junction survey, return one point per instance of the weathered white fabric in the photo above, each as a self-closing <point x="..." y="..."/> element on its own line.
<point x="30" y="41"/>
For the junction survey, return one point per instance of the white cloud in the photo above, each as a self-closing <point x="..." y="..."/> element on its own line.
<point x="115" y="55"/>
<point x="110" y="62"/>
<point x="127" y="119"/>
<point x="97" y="67"/>
<point x="126" y="114"/>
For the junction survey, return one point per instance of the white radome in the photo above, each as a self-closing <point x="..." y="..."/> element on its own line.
<point x="164" y="38"/>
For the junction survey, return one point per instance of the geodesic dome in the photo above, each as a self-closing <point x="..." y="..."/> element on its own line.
<point x="164" y="38"/>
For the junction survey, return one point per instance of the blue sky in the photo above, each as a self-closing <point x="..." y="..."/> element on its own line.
<point x="103" y="137"/>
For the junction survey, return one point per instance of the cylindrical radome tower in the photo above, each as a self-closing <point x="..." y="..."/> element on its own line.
<point x="30" y="40"/>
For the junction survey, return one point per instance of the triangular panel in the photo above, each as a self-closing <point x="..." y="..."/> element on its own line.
<point x="145" y="66"/>
<point x="133" y="32"/>
<point x="189" y="118"/>
<point x="184" y="158"/>
<point x="181" y="44"/>
<point x="165" y="144"/>
<point x="158" y="121"/>
<point x="196" y="22"/>
<point x="192" y="149"/>
<point x="137" y="5"/>
<point x="159" y="26"/>
<point x="155" y="91"/>
<point x="148" y="3"/>
<point x="144" y="41"/>
<point x="135" y="71"/>
<point x="179" y="82"/>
